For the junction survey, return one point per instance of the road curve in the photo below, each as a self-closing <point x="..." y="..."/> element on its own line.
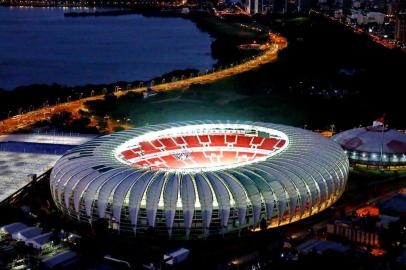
<point x="23" y="120"/>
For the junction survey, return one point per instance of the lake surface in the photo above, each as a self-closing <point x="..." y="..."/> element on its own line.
<point x="40" y="45"/>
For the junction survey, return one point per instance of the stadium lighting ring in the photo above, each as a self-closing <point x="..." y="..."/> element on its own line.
<point x="199" y="178"/>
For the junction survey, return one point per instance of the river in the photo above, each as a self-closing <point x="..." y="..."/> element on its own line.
<point x="40" y="45"/>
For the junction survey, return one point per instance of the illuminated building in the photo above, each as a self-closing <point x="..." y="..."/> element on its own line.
<point x="400" y="27"/>
<point x="200" y="178"/>
<point x="374" y="147"/>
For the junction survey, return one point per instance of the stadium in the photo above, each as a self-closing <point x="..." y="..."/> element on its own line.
<point x="189" y="180"/>
<point x="374" y="147"/>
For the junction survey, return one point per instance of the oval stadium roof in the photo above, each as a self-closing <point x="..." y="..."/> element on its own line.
<point x="199" y="178"/>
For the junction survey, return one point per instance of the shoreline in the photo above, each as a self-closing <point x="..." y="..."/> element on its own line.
<point x="24" y="120"/>
<point x="119" y="12"/>
<point x="202" y="19"/>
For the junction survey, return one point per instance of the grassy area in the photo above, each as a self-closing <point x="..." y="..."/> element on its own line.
<point x="219" y="100"/>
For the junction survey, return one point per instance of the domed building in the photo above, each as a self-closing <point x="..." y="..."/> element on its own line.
<point x="374" y="147"/>
<point x="188" y="180"/>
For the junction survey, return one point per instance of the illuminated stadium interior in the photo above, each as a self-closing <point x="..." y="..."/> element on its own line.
<point x="202" y="148"/>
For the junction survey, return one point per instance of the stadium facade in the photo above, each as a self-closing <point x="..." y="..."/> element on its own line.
<point x="374" y="147"/>
<point x="199" y="178"/>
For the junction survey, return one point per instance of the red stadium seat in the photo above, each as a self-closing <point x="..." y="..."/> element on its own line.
<point x="169" y="144"/>
<point x="230" y="138"/>
<point x="192" y="141"/>
<point x="148" y="148"/>
<point x="243" y="141"/>
<point x="257" y="140"/>
<point x="217" y="140"/>
<point x="281" y="143"/>
<point x="180" y="140"/>
<point x="129" y="154"/>
<point x="204" y="138"/>
<point x="154" y="161"/>
<point x="268" y="144"/>
<point x="157" y="143"/>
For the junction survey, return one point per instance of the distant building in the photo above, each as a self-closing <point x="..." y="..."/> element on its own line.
<point x="257" y="6"/>
<point x="13" y="228"/>
<point x="376" y="17"/>
<point x="374" y="147"/>
<point x="61" y="261"/>
<point x="40" y="241"/>
<point x="353" y="233"/>
<point x="359" y="17"/>
<point x="27" y="233"/>
<point x="320" y="246"/>
<point x="400" y="27"/>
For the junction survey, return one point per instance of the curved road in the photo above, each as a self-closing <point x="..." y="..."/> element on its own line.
<point x="23" y="120"/>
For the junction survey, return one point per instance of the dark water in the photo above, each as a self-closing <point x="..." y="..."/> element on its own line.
<point x="40" y="45"/>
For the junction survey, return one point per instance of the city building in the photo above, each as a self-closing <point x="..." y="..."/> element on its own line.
<point x="376" y="17"/>
<point x="321" y="246"/>
<point x="374" y="147"/>
<point x="400" y="27"/>
<point x="257" y="6"/>
<point x="353" y="233"/>
<point x="199" y="178"/>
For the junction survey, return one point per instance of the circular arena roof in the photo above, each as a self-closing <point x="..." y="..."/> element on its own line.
<point x="192" y="179"/>
<point x="365" y="145"/>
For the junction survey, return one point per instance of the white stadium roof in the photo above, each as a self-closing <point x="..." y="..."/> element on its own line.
<point x="297" y="174"/>
<point x="364" y="146"/>
<point x="22" y="155"/>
